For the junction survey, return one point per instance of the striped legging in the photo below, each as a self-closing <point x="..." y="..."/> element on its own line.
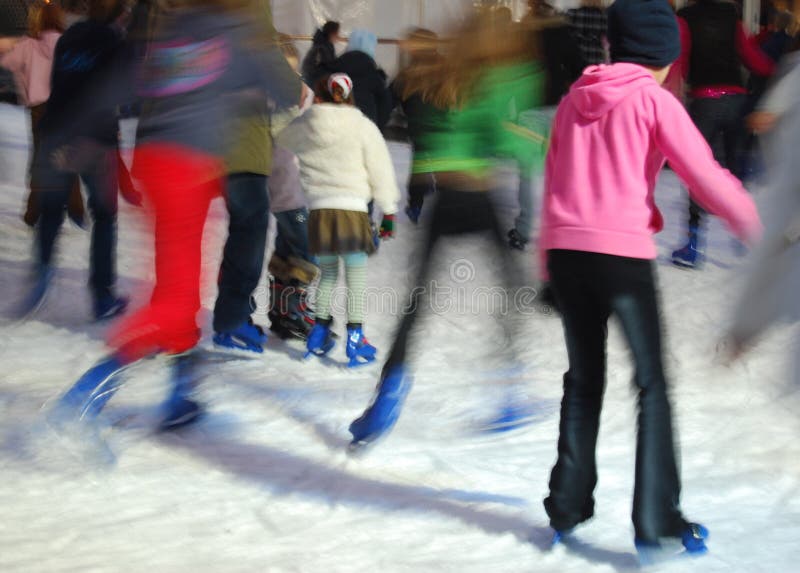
<point x="355" y="265"/>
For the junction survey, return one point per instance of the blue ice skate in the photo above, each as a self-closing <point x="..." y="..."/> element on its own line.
<point x="561" y="536"/>
<point x="110" y="306"/>
<point x="511" y="417"/>
<point x="692" y="544"/>
<point x="358" y="349"/>
<point x="39" y="287"/>
<point x="690" y="256"/>
<point x="320" y="339"/>
<point x="382" y="414"/>
<point x="89" y="395"/>
<point x="248" y="337"/>
<point x="180" y="409"/>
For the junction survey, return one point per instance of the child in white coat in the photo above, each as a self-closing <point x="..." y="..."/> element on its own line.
<point x="344" y="164"/>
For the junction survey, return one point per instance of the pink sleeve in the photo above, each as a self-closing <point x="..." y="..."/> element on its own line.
<point x="752" y="57"/>
<point x="14" y="59"/>
<point x="713" y="187"/>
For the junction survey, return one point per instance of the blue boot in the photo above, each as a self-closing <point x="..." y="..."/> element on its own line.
<point x="89" y="395"/>
<point x="39" y="287"/>
<point x="110" y="306"/>
<point x="382" y="414"/>
<point x="320" y="339"/>
<point x="692" y="540"/>
<point x="359" y="350"/>
<point x="180" y="409"/>
<point x="247" y="336"/>
<point x="689" y="257"/>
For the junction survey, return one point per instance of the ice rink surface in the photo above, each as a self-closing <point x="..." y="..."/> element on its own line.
<point x="264" y="482"/>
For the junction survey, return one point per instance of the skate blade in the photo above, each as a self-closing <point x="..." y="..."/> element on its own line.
<point x="359" y="361"/>
<point x="652" y="556"/>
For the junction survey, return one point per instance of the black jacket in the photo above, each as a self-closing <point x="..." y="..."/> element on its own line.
<point x="371" y="94"/>
<point x="321" y="55"/>
<point x="563" y="61"/>
<point x="84" y="53"/>
<point x="714" y="59"/>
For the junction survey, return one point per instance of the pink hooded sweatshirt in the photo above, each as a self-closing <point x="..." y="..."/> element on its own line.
<point x="610" y="138"/>
<point x="31" y="63"/>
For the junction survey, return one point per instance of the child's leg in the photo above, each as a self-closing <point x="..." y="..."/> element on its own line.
<point x="656" y="509"/>
<point x="584" y="315"/>
<point x="355" y="265"/>
<point x="329" y="267"/>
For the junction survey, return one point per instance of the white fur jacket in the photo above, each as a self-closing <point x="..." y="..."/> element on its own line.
<point x="344" y="161"/>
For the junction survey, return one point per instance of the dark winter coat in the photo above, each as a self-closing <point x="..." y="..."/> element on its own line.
<point x="714" y="57"/>
<point x="321" y="55"/>
<point x="372" y="96"/>
<point x="85" y="52"/>
<point x="563" y="61"/>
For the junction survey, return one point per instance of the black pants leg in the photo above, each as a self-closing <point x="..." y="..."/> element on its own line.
<point x="454" y="213"/>
<point x="589" y="287"/>
<point x="243" y="258"/>
<point x="102" y="186"/>
<point x="584" y="314"/>
<point x="720" y="122"/>
<point x="656" y="496"/>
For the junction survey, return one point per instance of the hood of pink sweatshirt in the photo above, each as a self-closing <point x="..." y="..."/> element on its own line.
<point x="610" y="138"/>
<point x="602" y="88"/>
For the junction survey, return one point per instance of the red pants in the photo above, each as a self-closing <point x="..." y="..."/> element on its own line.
<point x="179" y="184"/>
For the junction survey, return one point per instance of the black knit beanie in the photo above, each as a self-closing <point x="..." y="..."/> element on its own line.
<point x="643" y="32"/>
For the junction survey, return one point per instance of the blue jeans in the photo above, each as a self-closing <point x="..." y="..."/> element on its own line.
<point x="589" y="288"/>
<point x="100" y="179"/>
<point x="721" y="122"/>
<point x="292" y="238"/>
<point x="243" y="258"/>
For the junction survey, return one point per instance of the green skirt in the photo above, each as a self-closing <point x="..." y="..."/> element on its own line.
<point x="339" y="232"/>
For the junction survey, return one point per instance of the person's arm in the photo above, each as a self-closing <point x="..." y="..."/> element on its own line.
<point x="7" y="44"/>
<point x="11" y="54"/>
<point x="292" y="136"/>
<point x="713" y="187"/>
<point x="380" y="170"/>
<point x="752" y="57"/>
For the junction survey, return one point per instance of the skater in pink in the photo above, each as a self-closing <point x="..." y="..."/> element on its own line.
<point x="611" y="136"/>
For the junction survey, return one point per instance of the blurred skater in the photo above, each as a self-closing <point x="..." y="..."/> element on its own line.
<point x="487" y="69"/>
<point x="83" y="55"/>
<point x="421" y="47"/>
<point x="248" y="161"/>
<point x="30" y="59"/>
<point x="203" y="54"/>
<point x="716" y="50"/>
<point x="598" y="220"/>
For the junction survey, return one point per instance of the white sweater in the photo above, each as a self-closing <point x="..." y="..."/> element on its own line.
<point x="344" y="161"/>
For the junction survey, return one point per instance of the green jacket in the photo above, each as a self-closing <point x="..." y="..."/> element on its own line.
<point x="249" y="142"/>
<point x="469" y="139"/>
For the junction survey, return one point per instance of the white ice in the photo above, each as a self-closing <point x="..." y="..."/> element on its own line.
<point x="264" y="484"/>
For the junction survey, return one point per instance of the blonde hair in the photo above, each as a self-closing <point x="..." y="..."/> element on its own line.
<point x="484" y="41"/>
